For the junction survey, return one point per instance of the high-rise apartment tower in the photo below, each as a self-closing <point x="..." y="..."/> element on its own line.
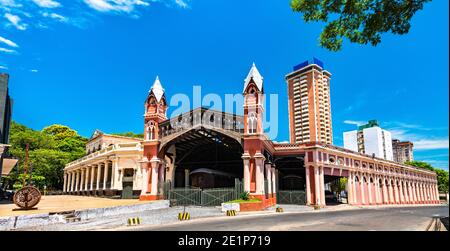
<point x="309" y="103"/>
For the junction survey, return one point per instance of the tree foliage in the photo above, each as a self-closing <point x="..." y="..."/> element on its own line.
<point x="339" y="185"/>
<point x="442" y="175"/>
<point x="130" y="134"/>
<point x="360" y="21"/>
<point x="49" y="151"/>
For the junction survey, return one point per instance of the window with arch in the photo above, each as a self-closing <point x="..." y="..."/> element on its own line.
<point x="252" y="123"/>
<point x="151" y="130"/>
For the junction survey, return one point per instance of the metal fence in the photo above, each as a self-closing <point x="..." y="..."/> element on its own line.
<point x="189" y="196"/>
<point x="297" y="197"/>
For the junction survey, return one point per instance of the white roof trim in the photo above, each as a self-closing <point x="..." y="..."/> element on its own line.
<point x="157" y="89"/>
<point x="256" y="76"/>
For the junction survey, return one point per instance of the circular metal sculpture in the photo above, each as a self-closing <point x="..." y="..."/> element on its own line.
<point x="27" y="197"/>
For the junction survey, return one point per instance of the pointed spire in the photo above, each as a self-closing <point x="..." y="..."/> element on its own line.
<point x="256" y="76"/>
<point x="157" y="89"/>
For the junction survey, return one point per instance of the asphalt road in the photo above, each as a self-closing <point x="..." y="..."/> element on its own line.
<point x="380" y="219"/>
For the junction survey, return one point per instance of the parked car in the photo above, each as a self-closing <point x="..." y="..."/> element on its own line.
<point x="330" y="196"/>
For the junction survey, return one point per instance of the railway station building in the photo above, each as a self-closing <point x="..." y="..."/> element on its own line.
<point x="212" y="149"/>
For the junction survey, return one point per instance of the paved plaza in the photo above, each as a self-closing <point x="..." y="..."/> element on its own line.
<point x="59" y="203"/>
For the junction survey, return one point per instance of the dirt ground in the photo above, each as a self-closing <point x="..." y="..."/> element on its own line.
<point x="58" y="203"/>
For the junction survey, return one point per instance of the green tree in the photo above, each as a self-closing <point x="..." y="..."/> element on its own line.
<point x="442" y="175"/>
<point x="339" y="185"/>
<point x="49" y="151"/>
<point x="420" y="164"/>
<point x="360" y="21"/>
<point x="130" y="134"/>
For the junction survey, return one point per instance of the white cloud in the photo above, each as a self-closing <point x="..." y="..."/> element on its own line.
<point x="420" y="141"/>
<point x="8" y="51"/>
<point x="55" y="16"/>
<point x="353" y="122"/>
<point x="181" y="3"/>
<point x="115" y="5"/>
<point x="9" y="3"/>
<point x="428" y="144"/>
<point x="34" y="70"/>
<point x="8" y="42"/>
<point x="3" y="67"/>
<point x="15" y="21"/>
<point x="23" y="14"/>
<point x="47" y="3"/>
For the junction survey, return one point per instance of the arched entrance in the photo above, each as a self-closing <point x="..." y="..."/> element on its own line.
<point x="291" y="180"/>
<point x="203" y="158"/>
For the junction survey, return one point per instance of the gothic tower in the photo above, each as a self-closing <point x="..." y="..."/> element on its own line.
<point x="152" y="166"/>
<point x="253" y="133"/>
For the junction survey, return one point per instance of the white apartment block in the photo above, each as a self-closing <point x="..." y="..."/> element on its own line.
<point x="370" y="139"/>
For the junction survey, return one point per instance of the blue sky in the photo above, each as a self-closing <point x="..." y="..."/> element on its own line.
<point x="89" y="63"/>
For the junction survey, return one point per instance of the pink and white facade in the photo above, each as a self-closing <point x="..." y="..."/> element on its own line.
<point x="175" y="150"/>
<point x="371" y="180"/>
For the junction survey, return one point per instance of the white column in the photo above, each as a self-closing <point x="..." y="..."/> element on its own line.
<point x="308" y="186"/>
<point x="99" y="171"/>
<point x="92" y="177"/>
<point x="154" y="188"/>
<point x="246" y="174"/>
<point x="259" y="176"/>
<point x="145" y="173"/>
<point x="77" y="178"/>
<point x="350" y="192"/>
<point x="105" y="175"/>
<point x="86" y="178"/>
<point x="116" y="176"/>
<point x="72" y="181"/>
<point x="274" y="185"/>
<point x="82" y="179"/>
<point x="65" y="182"/>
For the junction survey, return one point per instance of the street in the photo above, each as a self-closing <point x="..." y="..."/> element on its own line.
<point x="379" y="219"/>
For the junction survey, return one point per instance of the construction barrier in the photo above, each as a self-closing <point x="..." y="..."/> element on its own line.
<point x="231" y="212"/>
<point x="134" y="221"/>
<point x="184" y="216"/>
<point x="279" y="210"/>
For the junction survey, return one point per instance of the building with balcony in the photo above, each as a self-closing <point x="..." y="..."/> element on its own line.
<point x="309" y="103"/>
<point x="402" y="150"/>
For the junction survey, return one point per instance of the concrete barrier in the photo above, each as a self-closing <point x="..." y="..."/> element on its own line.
<point x="34" y="220"/>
